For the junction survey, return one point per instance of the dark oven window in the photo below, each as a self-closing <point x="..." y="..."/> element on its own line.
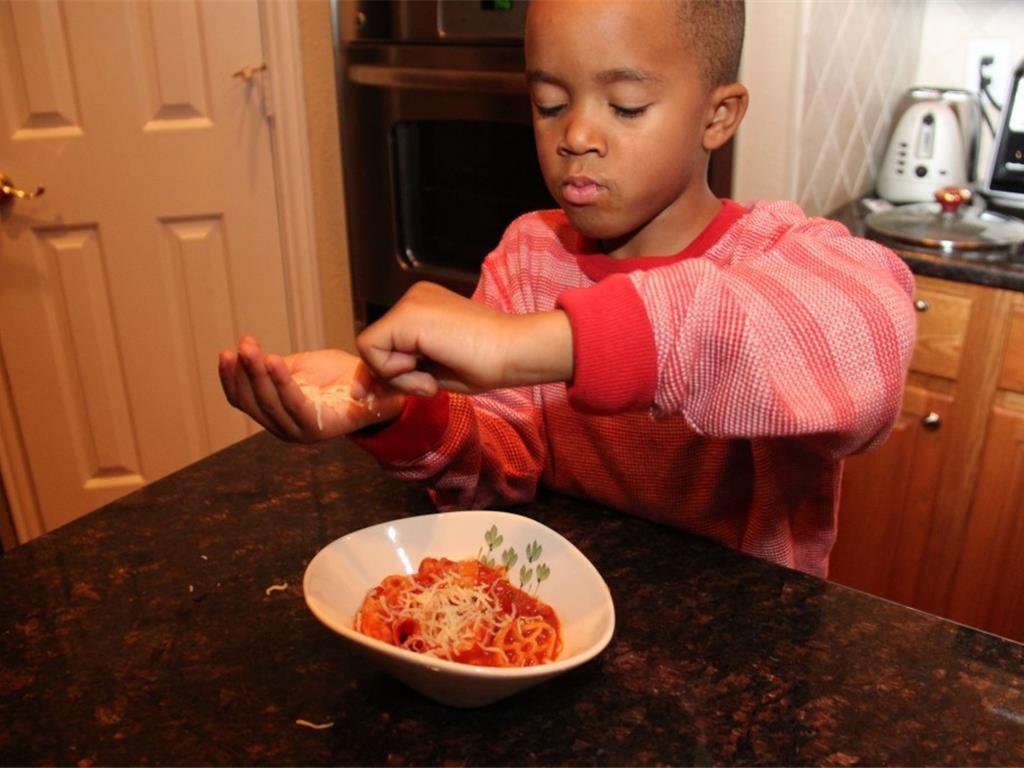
<point x="458" y="185"/>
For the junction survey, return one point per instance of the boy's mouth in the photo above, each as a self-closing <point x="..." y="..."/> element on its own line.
<point x="580" y="190"/>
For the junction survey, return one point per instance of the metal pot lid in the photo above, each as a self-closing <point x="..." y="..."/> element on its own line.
<point x="948" y="225"/>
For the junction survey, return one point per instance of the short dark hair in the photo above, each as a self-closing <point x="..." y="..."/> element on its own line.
<point x="715" y="29"/>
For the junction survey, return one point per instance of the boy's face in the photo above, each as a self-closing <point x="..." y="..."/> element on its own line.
<point x="619" y="112"/>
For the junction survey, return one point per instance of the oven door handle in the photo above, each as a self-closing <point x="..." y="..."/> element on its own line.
<point x="416" y="78"/>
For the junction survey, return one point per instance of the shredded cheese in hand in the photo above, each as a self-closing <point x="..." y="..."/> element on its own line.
<point x="335" y="397"/>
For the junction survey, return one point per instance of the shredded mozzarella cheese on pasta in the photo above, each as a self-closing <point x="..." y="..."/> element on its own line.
<point x="450" y="616"/>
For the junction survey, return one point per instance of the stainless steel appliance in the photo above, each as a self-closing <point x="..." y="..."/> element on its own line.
<point x="934" y="144"/>
<point x="436" y="141"/>
<point x="1004" y="184"/>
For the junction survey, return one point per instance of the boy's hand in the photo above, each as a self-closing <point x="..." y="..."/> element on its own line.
<point x="281" y="393"/>
<point x="435" y="338"/>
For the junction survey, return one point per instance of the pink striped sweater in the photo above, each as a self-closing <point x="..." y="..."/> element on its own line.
<point x="716" y="390"/>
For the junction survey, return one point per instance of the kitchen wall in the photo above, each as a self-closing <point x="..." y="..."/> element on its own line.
<point x="825" y="78"/>
<point x="950" y="27"/>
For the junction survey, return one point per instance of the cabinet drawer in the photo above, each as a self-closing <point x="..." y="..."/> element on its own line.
<point x="943" y="314"/>
<point x="1012" y="374"/>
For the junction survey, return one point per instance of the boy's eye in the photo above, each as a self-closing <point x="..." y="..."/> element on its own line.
<point x="629" y="112"/>
<point x="551" y="111"/>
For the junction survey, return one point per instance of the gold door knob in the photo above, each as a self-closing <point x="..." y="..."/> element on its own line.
<point x="9" y="193"/>
<point x="248" y="72"/>
<point x="932" y="421"/>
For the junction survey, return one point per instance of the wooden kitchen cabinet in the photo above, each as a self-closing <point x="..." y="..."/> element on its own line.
<point x="935" y="517"/>
<point x="878" y="551"/>
<point x="990" y="575"/>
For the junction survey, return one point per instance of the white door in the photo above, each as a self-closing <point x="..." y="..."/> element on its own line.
<point x="155" y="244"/>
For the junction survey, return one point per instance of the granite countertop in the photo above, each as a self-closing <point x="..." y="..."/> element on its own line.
<point x="144" y="634"/>
<point x="983" y="269"/>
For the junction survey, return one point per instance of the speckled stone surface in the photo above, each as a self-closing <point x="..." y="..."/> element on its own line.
<point x="991" y="271"/>
<point x="143" y="634"/>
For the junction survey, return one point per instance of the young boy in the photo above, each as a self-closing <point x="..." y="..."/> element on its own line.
<point x="695" y="361"/>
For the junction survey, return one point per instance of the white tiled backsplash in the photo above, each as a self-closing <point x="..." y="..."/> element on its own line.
<point x="861" y="55"/>
<point x="839" y="68"/>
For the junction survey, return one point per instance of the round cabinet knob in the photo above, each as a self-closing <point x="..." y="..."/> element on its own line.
<point x="951" y="198"/>
<point x="921" y="305"/>
<point x="932" y="421"/>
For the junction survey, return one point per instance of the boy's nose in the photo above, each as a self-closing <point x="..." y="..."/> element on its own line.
<point x="580" y="136"/>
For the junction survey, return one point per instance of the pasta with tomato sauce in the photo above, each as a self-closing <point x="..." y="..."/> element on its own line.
<point x="464" y="611"/>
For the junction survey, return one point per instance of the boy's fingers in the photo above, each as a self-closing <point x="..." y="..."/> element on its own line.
<point x="415" y="383"/>
<point x="241" y="390"/>
<point x="362" y="383"/>
<point x="246" y="402"/>
<point x="384" y="354"/>
<point x="289" y="393"/>
<point x="388" y="363"/>
<point x="266" y="396"/>
<point x="248" y="368"/>
<point x="226" y="362"/>
<point x="234" y="380"/>
<point x="278" y="371"/>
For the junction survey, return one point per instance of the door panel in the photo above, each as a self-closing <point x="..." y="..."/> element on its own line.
<point x="155" y="244"/>
<point x="36" y="75"/>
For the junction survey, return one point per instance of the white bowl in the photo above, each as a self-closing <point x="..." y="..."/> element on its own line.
<point x="338" y="578"/>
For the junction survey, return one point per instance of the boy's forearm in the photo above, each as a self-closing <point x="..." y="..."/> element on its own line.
<point x="434" y="338"/>
<point x="540" y="349"/>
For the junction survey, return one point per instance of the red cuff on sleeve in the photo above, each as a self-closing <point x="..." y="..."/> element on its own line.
<point x="615" y="360"/>
<point x="419" y="429"/>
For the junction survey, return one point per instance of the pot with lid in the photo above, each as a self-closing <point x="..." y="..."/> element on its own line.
<point x="951" y="227"/>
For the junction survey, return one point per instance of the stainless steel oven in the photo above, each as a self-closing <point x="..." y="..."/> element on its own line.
<point x="436" y="140"/>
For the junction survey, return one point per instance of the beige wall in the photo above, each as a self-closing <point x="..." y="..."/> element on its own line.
<point x="325" y="153"/>
<point x="825" y="78"/>
<point x="766" y="149"/>
<point x="949" y="27"/>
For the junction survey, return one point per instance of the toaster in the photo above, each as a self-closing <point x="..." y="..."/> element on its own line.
<point x="927" y="151"/>
<point x="1004" y="184"/>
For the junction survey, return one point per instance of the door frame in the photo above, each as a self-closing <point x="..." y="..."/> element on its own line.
<point x="289" y="136"/>
<point x="285" y="89"/>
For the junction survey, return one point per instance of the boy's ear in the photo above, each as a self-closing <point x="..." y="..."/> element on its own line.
<point x="727" y="106"/>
